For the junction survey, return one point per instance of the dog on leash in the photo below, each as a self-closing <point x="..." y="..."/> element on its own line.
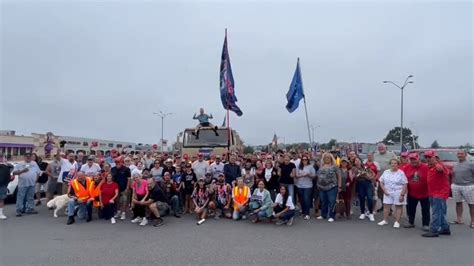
<point x="58" y="203"/>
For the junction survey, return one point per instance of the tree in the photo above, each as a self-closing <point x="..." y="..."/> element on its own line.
<point x="435" y="145"/>
<point x="331" y="144"/>
<point x="393" y="137"/>
<point x="249" y="149"/>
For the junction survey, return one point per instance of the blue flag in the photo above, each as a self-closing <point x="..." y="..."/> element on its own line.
<point x="295" y="93"/>
<point x="227" y="91"/>
<point x="404" y="148"/>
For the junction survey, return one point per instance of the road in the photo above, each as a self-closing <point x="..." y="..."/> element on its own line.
<point x="44" y="240"/>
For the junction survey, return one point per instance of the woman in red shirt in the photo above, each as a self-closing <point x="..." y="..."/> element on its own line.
<point x="109" y="192"/>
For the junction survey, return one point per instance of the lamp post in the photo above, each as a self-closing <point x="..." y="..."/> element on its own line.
<point x="162" y="116"/>
<point x="313" y="127"/>
<point x="407" y="81"/>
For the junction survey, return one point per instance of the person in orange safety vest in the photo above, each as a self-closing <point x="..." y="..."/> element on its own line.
<point x="240" y="197"/>
<point x="79" y="195"/>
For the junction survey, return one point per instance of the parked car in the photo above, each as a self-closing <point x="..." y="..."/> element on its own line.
<point x="12" y="187"/>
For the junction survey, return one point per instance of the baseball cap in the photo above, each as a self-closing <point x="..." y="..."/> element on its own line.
<point x="413" y="156"/>
<point x="404" y="154"/>
<point x="218" y="156"/>
<point x="431" y="153"/>
<point x="169" y="160"/>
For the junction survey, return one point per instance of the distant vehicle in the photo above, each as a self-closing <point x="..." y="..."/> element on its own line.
<point x="208" y="143"/>
<point x="471" y="152"/>
<point x="12" y="187"/>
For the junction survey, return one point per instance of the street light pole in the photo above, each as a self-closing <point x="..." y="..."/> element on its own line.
<point x="162" y="116"/>
<point x="407" y="81"/>
<point x="313" y="127"/>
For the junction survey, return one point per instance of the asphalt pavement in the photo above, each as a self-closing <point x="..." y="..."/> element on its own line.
<point x="43" y="240"/>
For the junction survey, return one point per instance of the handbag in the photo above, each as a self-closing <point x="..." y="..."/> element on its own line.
<point x="340" y="206"/>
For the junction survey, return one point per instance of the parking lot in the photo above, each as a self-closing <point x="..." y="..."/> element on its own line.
<point x="43" y="240"/>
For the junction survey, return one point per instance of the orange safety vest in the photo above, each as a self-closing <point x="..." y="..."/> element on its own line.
<point x="241" y="197"/>
<point x="94" y="192"/>
<point x="81" y="192"/>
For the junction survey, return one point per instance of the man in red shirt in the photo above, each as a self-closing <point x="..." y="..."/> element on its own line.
<point x="417" y="175"/>
<point x="438" y="191"/>
<point x="404" y="160"/>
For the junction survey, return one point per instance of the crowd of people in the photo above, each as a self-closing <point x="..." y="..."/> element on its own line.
<point x="275" y="187"/>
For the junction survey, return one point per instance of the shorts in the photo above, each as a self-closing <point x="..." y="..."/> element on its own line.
<point x="394" y="198"/>
<point x="52" y="185"/>
<point x="3" y="192"/>
<point x="463" y="193"/>
<point x="38" y="187"/>
<point x="205" y="124"/>
<point x="123" y="197"/>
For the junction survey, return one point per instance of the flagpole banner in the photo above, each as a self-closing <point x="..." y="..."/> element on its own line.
<point x="295" y="93"/>
<point x="228" y="98"/>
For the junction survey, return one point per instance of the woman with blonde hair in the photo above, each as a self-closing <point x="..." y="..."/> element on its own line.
<point x="329" y="184"/>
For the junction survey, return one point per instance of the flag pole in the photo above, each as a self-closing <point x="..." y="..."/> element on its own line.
<point x="305" y="109"/>
<point x="228" y="116"/>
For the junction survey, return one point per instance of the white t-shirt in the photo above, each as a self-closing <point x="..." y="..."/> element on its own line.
<point x="268" y="174"/>
<point x="216" y="169"/>
<point x="393" y="181"/>
<point x="289" y="202"/>
<point x="90" y="170"/>
<point x="200" y="168"/>
<point x="296" y="162"/>
<point x="66" y="166"/>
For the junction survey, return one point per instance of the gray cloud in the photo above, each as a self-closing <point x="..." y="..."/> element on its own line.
<point x="100" y="69"/>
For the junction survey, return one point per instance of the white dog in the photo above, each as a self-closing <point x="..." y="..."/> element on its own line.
<point x="58" y="203"/>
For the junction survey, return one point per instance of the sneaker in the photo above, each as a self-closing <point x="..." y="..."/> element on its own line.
<point x="244" y="217"/>
<point x="32" y="212"/>
<point x="409" y="226"/>
<point x="371" y="218"/>
<point x="280" y="222"/>
<point x="319" y="217"/>
<point x="144" y="222"/>
<point x="382" y="223"/>
<point x="112" y="220"/>
<point x="122" y="217"/>
<point x="38" y="203"/>
<point x="362" y="216"/>
<point x="70" y="220"/>
<point x="396" y="225"/>
<point x="306" y="217"/>
<point x="136" y="220"/>
<point x="331" y="220"/>
<point x="3" y="217"/>
<point x="117" y="215"/>
<point x="445" y="232"/>
<point x="430" y="234"/>
<point x="290" y="221"/>
<point x="158" y="222"/>
<point x="19" y="214"/>
<point x="426" y="228"/>
<point x="176" y="215"/>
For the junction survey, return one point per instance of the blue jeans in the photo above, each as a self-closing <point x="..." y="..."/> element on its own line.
<point x="438" y="215"/>
<point x="365" y="190"/>
<point x="174" y="202"/>
<point x="25" y="201"/>
<point x="304" y="195"/>
<point x="83" y="208"/>
<point x="328" y="201"/>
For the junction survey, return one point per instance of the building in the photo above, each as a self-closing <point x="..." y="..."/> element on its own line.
<point x="14" y="146"/>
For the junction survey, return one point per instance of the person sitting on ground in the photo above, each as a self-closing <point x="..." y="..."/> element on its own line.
<point x="394" y="186"/>
<point x="78" y="196"/>
<point x="203" y="119"/>
<point x="109" y="193"/>
<point x="240" y="196"/>
<point x="221" y="202"/>
<point x="261" y="203"/>
<point x="283" y="208"/>
<point x="170" y="193"/>
<point x="139" y="194"/>
<point x="155" y="203"/>
<point x="201" y="199"/>
<point x="94" y="192"/>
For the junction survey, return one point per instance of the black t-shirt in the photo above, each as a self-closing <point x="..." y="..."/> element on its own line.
<point x="170" y="170"/>
<point x="5" y="170"/>
<point x="156" y="194"/>
<point x="121" y="176"/>
<point x="286" y="170"/>
<point x="188" y="179"/>
<point x="44" y="177"/>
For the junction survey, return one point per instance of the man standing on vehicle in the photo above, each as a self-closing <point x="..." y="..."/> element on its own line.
<point x="5" y="177"/>
<point x="28" y="172"/>
<point x="203" y="119"/>
<point x="463" y="186"/>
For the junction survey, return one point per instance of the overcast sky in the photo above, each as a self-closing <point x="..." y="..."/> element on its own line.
<point x="99" y="69"/>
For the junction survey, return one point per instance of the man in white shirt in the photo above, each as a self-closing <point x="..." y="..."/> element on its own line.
<point x="28" y="172"/>
<point x="90" y="168"/>
<point x="217" y="167"/>
<point x="68" y="170"/>
<point x="200" y="167"/>
<point x="295" y="160"/>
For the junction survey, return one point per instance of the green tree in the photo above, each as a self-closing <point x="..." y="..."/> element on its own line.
<point x="249" y="149"/>
<point x="331" y="144"/>
<point x="435" y="145"/>
<point x="393" y="137"/>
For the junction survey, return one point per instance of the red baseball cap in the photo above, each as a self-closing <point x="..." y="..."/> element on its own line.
<point x="185" y="156"/>
<point x="431" y="153"/>
<point x="413" y="156"/>
<point x="404" y="154"/>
